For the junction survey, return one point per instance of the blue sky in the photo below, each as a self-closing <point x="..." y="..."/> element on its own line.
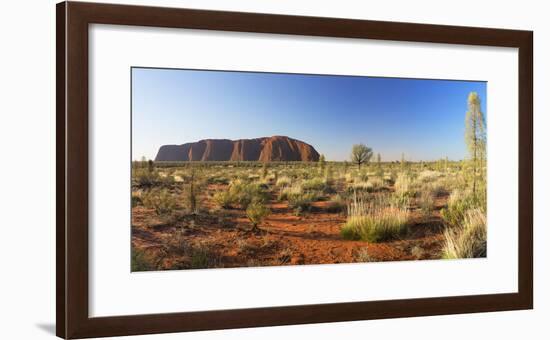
<point x="422" y="118"/>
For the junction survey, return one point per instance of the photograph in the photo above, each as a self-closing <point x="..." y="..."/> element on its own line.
<point x="249" y="169"/>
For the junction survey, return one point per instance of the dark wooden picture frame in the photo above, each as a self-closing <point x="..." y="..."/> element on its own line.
<point x="72" y="291"/>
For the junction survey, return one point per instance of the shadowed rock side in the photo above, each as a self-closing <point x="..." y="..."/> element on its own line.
<point x="265" y="149"/>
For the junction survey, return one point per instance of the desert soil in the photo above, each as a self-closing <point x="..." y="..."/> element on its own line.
<point x="227" y="238"/>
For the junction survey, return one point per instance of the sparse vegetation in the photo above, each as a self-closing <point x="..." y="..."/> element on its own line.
<point x="358" y="207"/>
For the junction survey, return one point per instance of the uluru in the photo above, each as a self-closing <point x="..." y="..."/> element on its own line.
<point x="263" y="149"/>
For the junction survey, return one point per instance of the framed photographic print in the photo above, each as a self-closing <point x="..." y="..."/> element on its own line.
<point x="222" y="170"/>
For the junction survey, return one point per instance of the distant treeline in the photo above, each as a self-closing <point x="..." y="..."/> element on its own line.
<point x="297" y="164"/>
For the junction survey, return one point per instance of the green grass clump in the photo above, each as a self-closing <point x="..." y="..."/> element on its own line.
<point x="286" y="192"/>
<point x="426" y="202"/>
<point x="283" y="181"/>
<point x="459" y="203"/>
<point x="301" y="202"/>
<point x="314" y="184"/>
<point x="468" y="240"/>
<point x="374" y="222"/>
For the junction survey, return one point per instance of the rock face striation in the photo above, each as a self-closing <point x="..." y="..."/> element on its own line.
<point x="265" y="149"/>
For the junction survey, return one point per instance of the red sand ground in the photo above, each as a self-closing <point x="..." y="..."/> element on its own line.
<point x="228" y="241"/>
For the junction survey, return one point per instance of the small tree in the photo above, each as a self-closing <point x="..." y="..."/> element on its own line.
<point x="378" y="159"/>
<point x="360" y="153"/>
<point x="474" y="135"/>
<point x="256" y="212"/>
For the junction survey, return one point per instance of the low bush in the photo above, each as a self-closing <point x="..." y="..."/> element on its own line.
<point x="256" y="212"/>
<point x="144" y="177"/>
<point x="161" y="200"/>
<point x="224" y="199"/>
<point x="242" y="194"/>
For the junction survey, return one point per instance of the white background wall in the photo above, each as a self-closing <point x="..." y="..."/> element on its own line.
<point x="27" y="169"/>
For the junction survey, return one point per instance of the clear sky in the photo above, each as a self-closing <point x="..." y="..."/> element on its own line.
<point x="422" y="118"/>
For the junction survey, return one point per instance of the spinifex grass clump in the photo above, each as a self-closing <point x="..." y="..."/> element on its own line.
<point x="301" y="202"/>
<point x="314" y="184"/>
<point x="374" y="221"/>
<point x="426" y="202"/>
<point x="469" y="239"/>
<point x="459" y="203"/>
<point x="283" y="181"/>
<point x="159" y="199"/>
<point x="286" y="192"/>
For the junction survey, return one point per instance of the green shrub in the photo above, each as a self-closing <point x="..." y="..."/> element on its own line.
<point x="224" y="199"/>
<point x="245" y="193"/>
<point x="159" y="199"/>
<point x="143" y="177"/>
<point x="256" y="212"/>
